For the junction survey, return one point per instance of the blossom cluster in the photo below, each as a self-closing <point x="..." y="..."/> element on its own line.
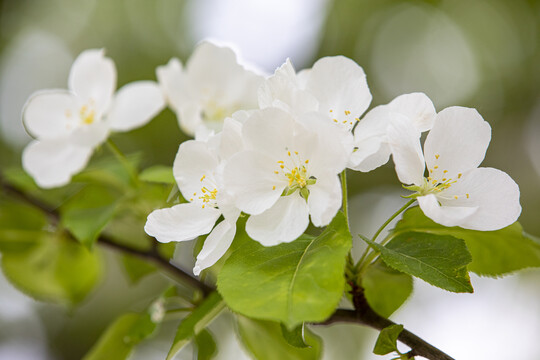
<point x="271" y="147"/>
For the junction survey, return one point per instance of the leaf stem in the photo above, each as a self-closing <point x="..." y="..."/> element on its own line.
<point x="344" y="202"/>
<point x="365" y="259"/>
<point x="124" y="161"/>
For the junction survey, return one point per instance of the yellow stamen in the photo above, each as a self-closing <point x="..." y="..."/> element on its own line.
<point x="455" y="197"/>
<point x="274" y="187"/>
<point x="467" y="195"/>
<point x="459" y="175"/>
<point x="435" y="167"/>
<point x="437" y="156"/>
<point x="203" y="177"/>
<point x="347" y="112"/>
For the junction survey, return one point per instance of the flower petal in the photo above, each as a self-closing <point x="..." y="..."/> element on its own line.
<point x="324" y="200"/>
<point x="417" y="107"/>
<point x="340" y="86"/>
<point x="250" y="178"/>
<point x="404" y="141"/>
<point x="215" y="246"/>
<point x="181" y="222"/>
<point x="494" y="193"/>
<point x="171" y="79"/>
<point x="50" y="114"/>
<point x="52" y="163"/>
<point x="93" y="79"/>
<point x="134" y="105"/>
<point x="445" y="215"/>
<point x="457" y="142"/>
<point x="269" y="130"/>
<point x="283" y="222"/>
<point x="194" y="168"/>
<point x="90" y="135"/>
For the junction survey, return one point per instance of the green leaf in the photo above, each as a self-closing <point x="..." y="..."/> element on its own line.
<point x="494" y="253"/>
<point x="294" y="337"/>
<point x="195" y="322"/>
<point x="158" y="174"/>
<point x="440" y="260"/>
<point x="264" y="340"/>
<point x="206" y="346"/>
<point x="136" y="269"/>
<point x="387" y="340"/>
<point x="113" y="344"/>
<point x="87" y="213"/>
<point x="385" y="288"/>
<point x="20" y="225"/>
<point x="295" y="282"/>
<point x="55" y="269"/>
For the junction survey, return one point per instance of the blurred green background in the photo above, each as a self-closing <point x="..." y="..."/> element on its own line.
<point x="478" y="53"/>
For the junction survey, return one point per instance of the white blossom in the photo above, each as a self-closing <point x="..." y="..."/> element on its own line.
<point x="211" y="87"/>
<point x="455" y="192"/>
<point x="198" y="172"/>
<point x="287" y="172"/>
<point x="68" y="124"/>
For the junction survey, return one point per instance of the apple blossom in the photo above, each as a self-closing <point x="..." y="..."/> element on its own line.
<point x="211" y="87"/>
<point x="370" y="135"/>
<point x="198" y="172"/>
<point x="456" y="192"/>
<point x="286" y="173"/>
<point x="69" y="124"/>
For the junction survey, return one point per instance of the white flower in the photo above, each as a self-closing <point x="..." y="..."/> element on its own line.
<point x="335" y="87"/>
<point x="287" y="172"/>
<point x="370" y="135"/>
<point x="211" y="87"/>
<point x="197" y="170"/>
<point x="456" y="191"/>
<point x="69" y="124"/>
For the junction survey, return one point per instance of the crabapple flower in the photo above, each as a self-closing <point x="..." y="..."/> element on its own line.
<point x="68" y="124"/>
<point x="370" y="135"/>
<point x="335" y="87"/>
<point x="212" y="86"/>
<point x="287" y="172"/>
<point x="197" y="170"/>
<point x="456" y="192"/>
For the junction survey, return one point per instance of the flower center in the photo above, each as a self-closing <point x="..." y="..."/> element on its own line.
<point x="214" y="112"/>
<point x="207" y="196"/>
<point x="87" y="115"/>
<point x="296" y="172"/>
<point x="348" y="120"/>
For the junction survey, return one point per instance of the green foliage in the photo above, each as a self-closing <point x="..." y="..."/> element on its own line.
<point x="113" y="343"/>
<point x="136" y="269"/>
<point x="54" y="269"/>
<point x="195" y="322"/>
<point x="265" y="341"/>
<point x="296" y="282"/>
<point x="20" y="226"/>
<point x="385" y="288"/>
<point x="86" y="214"/>
<point x="494" y="253"/>
<point x="441" y="260"/>
<point x="294" y="337"/>
<point x="387" y="340"/>
<point x="206" y="346"/>
<point x="158" y="174"/>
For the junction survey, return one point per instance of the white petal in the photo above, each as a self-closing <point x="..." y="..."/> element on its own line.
<point x="457" y="142"/>
<point x="417" y="107"/>
<point x="250" y="178"/>
<point x="52" y="163"/>
<point x="189" y="118"/>
<point x="231" y="140"/>
<point x="181" y="222"/>
<point x="194" y="168"/>
<point x="172" y="82"/>
<point x="494" y="193"/>
<point x="90" y="135"/>
<point x="134" y="105"/>
<point x="50" y="114"/>
<point x="215" y="246"/>
<point x="283" y="222"/>
<point x="339" y="84"/>
<point x="370" y="154"/>
<point x="269" y="130"/>
<point x="93" y="79"/>
<point x="404" y="141"/>
<point x="445" y="215"/>
<point x="324" y="200"/>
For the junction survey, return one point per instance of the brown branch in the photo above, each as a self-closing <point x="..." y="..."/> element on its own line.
<point x="152" y="255"/>
<point x="365" y="315"/>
